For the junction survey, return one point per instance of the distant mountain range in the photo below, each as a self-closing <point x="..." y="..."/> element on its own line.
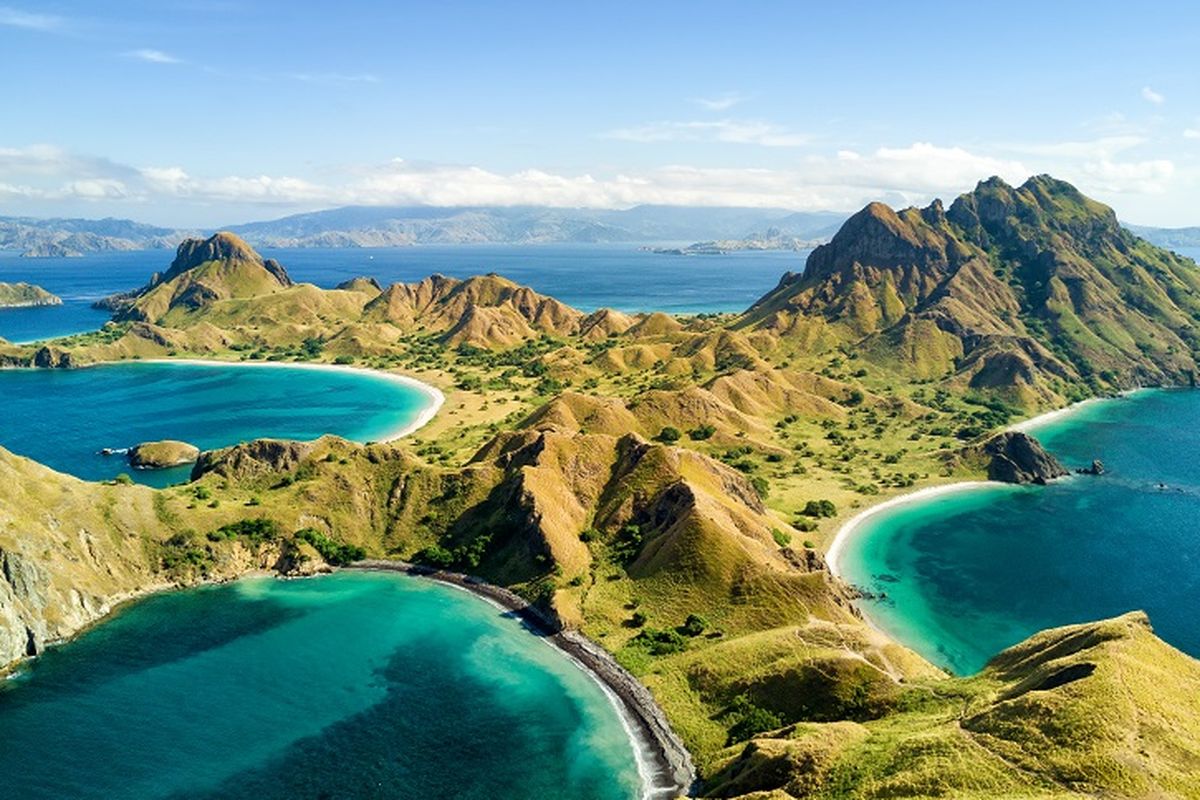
<point x="713" y="230"/>
<point x="1168" y="237"/>
<point x="378" y="226"/>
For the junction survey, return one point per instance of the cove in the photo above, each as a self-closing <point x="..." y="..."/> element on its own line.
<point x="63" y="418"/>
<point x="970" y="573"/>
<point x="353" y="685"/>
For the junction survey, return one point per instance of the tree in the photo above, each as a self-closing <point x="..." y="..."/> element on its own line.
<point x="694" y="625"/>
<point x="669" y="435"/>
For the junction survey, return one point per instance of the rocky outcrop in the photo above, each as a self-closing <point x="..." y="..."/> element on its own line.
<point x="1017" y="457"/>
<point x="162" y="454"/>
<point x="260" y="457"/>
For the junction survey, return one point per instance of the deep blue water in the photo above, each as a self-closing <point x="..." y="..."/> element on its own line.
<point x="585" y="276"/>
<point x="971" y="573"/>
<point x="62" y="418"/>
<point x="355" y="685"/>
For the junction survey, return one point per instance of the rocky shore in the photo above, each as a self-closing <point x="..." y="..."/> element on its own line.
<point x="672" y="773"/>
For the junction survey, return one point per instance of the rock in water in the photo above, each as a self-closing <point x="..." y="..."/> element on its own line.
<point x="160" y="455"/>
<point x="1018" y="458"/>
<point x="1097" y="468"/>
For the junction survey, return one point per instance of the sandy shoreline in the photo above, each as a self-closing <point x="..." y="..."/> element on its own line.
<point x="435" y="396"/>
<point x="663" y="762"/>
<point x="854" y="523"/>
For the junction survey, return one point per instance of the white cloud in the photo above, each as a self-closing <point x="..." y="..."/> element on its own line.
<point x="1137" y="177"/>
<point x="152" y="56"/>
<point x="722" y="102"/>
<point x="1105" y="147"/>
<point x="838" y="180"/>
<point x="1151" y="96"/>
<point x="16" y="18"/>
<point x="332" y="77"/>
<point x="1191" y="133"/>
<point x="728" y="131"/>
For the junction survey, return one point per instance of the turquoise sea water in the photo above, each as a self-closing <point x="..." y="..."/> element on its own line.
<point x="355" y="685"/>
<point x="585" y="276"/>
<point x="62" y="418"/>
<point x="968" y="574"/>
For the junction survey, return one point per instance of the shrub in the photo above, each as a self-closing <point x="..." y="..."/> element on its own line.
<point x="435" y="555"/>
<point x="638" y="619"/>
<point x="760" y="485"/>
<point x="782" y="538"/>
<point x="257" y="530"/>
<point x="661" y="643"/>
<point x="701" y="432"/>
<point x="819" y="508"/>
<point x="202" y="493"/>
<point x="694" y="625"/>
<point x="669" y="435"/>
<point x="750" y="720"/>
<point x="123" y="479"/>
<point x="334" y="552"/>
<point x="627" y="544"/>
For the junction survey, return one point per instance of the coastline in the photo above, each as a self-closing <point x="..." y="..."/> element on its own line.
<point x="435" y="396"/>
<point x="663" y="762"/>
<point x="851" y="526"/>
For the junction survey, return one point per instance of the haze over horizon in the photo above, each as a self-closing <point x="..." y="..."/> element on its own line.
<point x="204" y="113"/>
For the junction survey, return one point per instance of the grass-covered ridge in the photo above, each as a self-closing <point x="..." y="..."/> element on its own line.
<point x="668" y="485"/>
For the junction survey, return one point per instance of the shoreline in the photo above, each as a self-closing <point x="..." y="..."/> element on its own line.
<point x="849" y="528"/>
<point x="852" y="525"/>
<point x="664" y="763"/>
<point x="434" y="395"/>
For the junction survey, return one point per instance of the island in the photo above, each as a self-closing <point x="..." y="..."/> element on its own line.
<point x="26" y="295"/>
<point x="162" y="454"/>
<point x="666" y="488"/>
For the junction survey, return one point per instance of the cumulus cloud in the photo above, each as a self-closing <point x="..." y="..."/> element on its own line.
<point x="841" y="180"/>
<point x="152" y="56"/>
<point x="728" y="131"/>
<point x="1151" y="96"/>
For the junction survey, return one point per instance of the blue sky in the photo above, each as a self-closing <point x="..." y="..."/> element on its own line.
<point x="202" y="112"/>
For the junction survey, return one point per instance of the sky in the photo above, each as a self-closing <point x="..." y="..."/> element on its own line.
<point x="197" y="113"/>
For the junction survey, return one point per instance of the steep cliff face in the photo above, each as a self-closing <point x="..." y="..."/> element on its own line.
<point x="1030" y="291"/>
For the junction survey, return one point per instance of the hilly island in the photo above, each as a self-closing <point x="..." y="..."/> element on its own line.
<point x="658" y="494"/>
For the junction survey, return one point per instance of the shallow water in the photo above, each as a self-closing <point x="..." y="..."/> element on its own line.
<point x="62" y="418"/>
<point x="970" y="573"/>
<point x="585" y="276"/>
<point x="355" y="685"/>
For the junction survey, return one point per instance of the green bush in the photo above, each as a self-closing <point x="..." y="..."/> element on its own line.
<point x="750" y="720"/>
<point x="257" y="530"/>
<point x="819" y="508"/>
<point x="334" y="552"/>
<point x="701" y="432"/>
<point x="694" y="625"/>
<point x="661" y="643"/>
<point x="782" y="538"/>
<point x="669" y="435"/>
<point x="627" y="544"/>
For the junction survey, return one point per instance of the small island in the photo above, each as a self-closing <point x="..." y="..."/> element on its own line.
<point x="163" y="454"/>
<point x="26" y="295"/>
